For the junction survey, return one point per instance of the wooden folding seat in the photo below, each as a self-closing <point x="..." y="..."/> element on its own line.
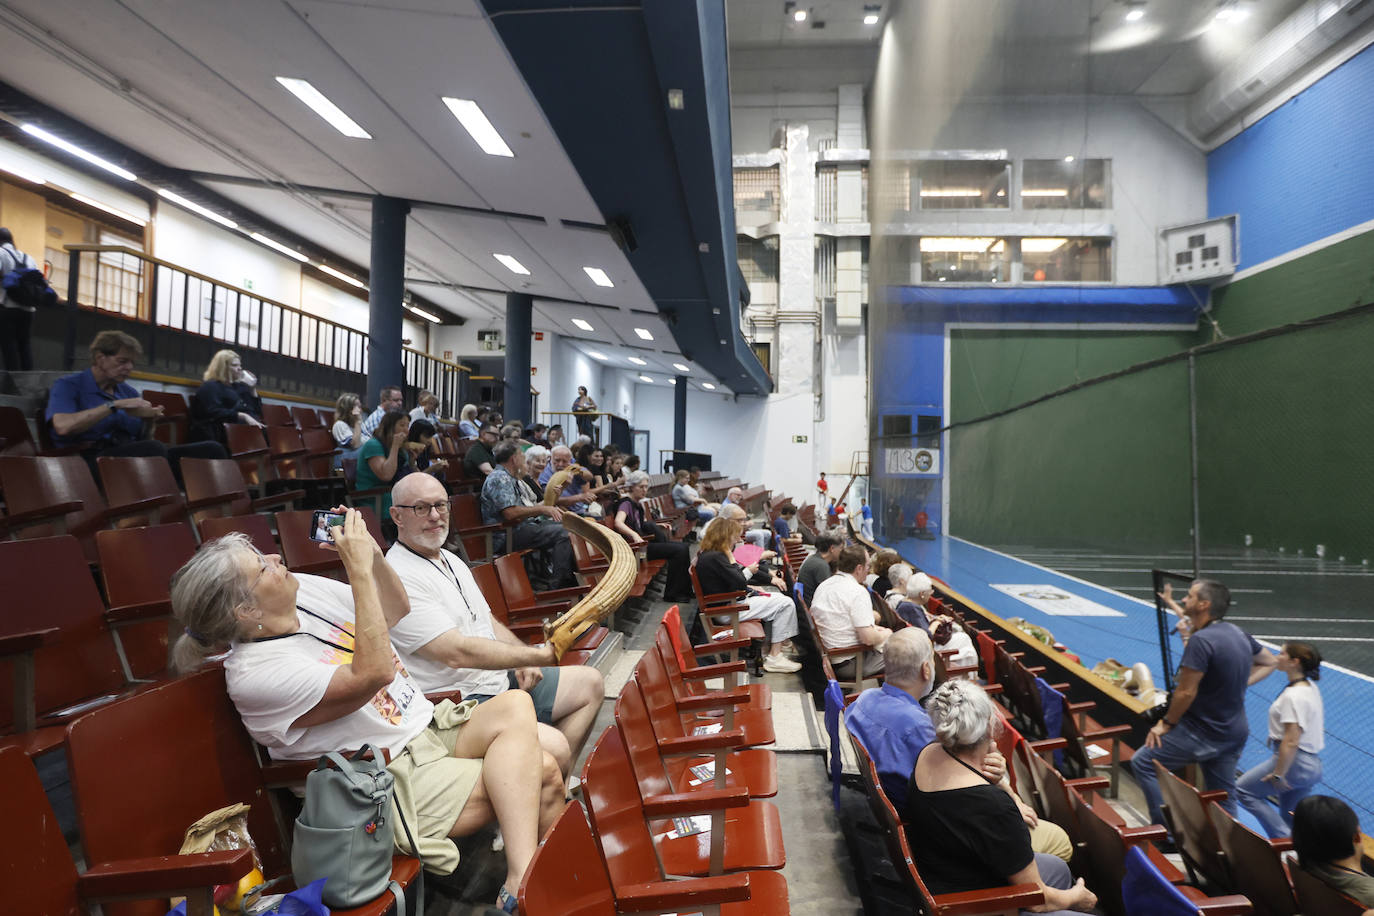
<point x="686" y="676"/>
<point x="277" y="415"/>
<point x="530" y="629"/>
<point x="372" y="498"/>
<point x="47" y="584"/>
<point x="304" y="555"/>
<point x="143" y="481"/>
<point x="1056" y="792"/>
<point x="1106" y="840"/>
<point x="1316" y="896"/>
<point x="307" y="418"/>
<point x="288" y="451"/>
<point x="258" y="528"/>
<point x="49" y="496"/>
<point x="320" y="449"/>
<point x="326" y="417"/>
<point x="568" y="877"/>
<point x="174" y="426"/>
<point x="39" y="876"/>
<point x="465" y="519"/>
<point x="214" y="488"/>
<point x="1094" y="748"/>
<point x="1148" y="892"/>
<point x="744" y="834"/>
<point x="726" y="605"/>
<point x="14" y="430"/>
<point x="521" y="598"/>
<point x="193" y="757"/>
<point x="136" y="566"/>
<point x="248" y="447"/>
<point x="1184" y="808"/>
<point x="663" y="754"/>
<point x="728" y="709"/>
<point x="1256" y="864"/>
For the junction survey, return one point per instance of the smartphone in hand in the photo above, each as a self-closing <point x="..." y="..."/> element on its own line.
<point x="321" y="522"/>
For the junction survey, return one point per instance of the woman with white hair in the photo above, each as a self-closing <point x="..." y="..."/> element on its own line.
<point x="967" y="834"/>
<point x="467" y="422"/>
<point x="537" y="458"/>
<point x="630" y="521"/>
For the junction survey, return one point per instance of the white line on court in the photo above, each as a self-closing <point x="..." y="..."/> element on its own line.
<point x="1239" y="572"/>
<point x="1307" y="619"/>
<point x="1234" y="591"/>
<point x="1321" y="638"/>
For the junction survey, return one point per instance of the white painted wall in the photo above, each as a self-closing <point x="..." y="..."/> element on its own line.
<point x="570" y="368"/>
<point x="192" y="242"/>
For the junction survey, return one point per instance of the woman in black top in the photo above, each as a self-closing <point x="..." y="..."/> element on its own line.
<point x="225" y="396"/>
<point x="965" y="833"/>
<point x="630" y="521"/>
<point x="719" y="573"/>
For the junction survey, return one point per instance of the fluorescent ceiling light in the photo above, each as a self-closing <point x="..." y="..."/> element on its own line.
<point x="595" y="355"/>
<point x="708" y="386"/>
<point x="645" y="378"/>
<point x="423" y="314"/>
<point x="1135" y="15"/>
<point x="511" y="264"/>
<point x="951" y="192"/>
<point x="1068" y="158"/>
<point x="644" y="333"/>
<point x="1044" y="192"/>
<point x="637" y="361"/>
<point x="583" y="325"/>
<point x="598" y="276"/>
<point x="78" y="152"/>
<point x="475" y="122"/>
<point x="197" y="208"/>
<point x="107" y="208"/>
<point x="1231" y="14"/>
<point x="870" y="18"/>
<point x="20" y="173"/>
<point x="340" y="275"/>
<point x="1041" y="246"/>
<point x="681" y="368"/>
<point x="971" y="244"/>
<point x="278" y="246"/>
<point x="322" y="106"/>
<point x="799" y="15"/>
<point x="672" y="381"/>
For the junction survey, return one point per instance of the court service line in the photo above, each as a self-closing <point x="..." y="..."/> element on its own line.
<point x="1239" y="572"/>
<point x="1281" y="639"/>
<point x="1234" y="591"/>
<point x="1306" y="619"/>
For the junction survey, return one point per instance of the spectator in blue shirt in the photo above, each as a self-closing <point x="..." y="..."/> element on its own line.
<point x="388" y="399"/>
<point x="866" y="511"/>
<point x="506" y="499"/>
<point x="893" y="727"/>
<point x="98" y="412"/>
<point x="782" y="526"/>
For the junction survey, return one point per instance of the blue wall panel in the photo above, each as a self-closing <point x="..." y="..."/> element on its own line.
<point x="1303" y="172"/>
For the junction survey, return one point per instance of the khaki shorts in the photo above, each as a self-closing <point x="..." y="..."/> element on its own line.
<point x="432" y="786"/>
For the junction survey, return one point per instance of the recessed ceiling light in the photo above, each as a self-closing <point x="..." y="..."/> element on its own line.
<point x="197" y="208"/>
<point x="78" y="152"/>
<point x="951" y="192"/>
<point x="511" y="264"/>
<point x="595" y="355"/>
<point x="1044" y="192"/>
<point x="21" y="173"/>
<point x="107" y="208"/>
<point x="672" y="381"/>
<point x="637" y="361"/>
<point x="681" y="368"/>
<point x="676" y="100"/>
<point x="475" y="122"/>
<point x="645" y="378"/>
<point x="1231" y="14"/>
<point x="322" y="106"/>
<point x="278" y="246"/>
<point x="799" y="15"/>
<point x="583" y="324"/>
<point x="423" y="314"/>
<point x="1068" y="159"/>
<point x="870" y="18"/>
<point x="598" y="276"/>
<point x="644" y="333"/>
<point x="708" y="386"/>
<point x="1135" y="15"/>
<point x="340" y="275"/>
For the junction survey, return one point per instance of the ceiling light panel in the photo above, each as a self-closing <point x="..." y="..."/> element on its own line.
<point x="78" y="152"/>
<point x="194" y="207"/>
<point x="422" y="313"/>
<point x="637" y="361"/>
<point x="681" y="368"/>
<point x="645" y="378"/>
<point x="644" y="334"/>
<point x="340" y="275"/>
<point x="512" y="265"/>
<point x="596" y="355"/>
<point x="598" y="276"/>
<point x="474" y="121"/>
<point x="708" y="386"/>
<point x="278" y="246"/>
<point x="319" y="103"/>
<point x="584" y="325"/>
<point x="92" y="202"/>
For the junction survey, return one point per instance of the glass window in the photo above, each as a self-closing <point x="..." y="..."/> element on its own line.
<point x="758" y="261"/>
<point x="963" y="184"/>
<point x="756" y="195"/>
<point x="1066" y="184"/>
<point x="964" y="259"/>
<point x="1052" y="260"/>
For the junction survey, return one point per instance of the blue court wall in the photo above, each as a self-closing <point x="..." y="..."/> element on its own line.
<point x="1304" y="171"/>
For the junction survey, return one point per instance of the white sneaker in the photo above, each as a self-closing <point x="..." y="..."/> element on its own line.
<point x="780" y="665"/>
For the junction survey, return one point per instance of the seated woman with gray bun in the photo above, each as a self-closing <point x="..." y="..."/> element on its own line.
<point x="965" y="833"/>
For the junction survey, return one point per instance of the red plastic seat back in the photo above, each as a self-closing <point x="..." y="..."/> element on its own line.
<point x="320" y="445"/>
<point x="257" y="527"/>
<point x="617" y="814"/>
<point x="490" y="585"/>
<point x="173" y="404"/>
<point x="305" y="555"/>
<point x="306" y="418"/>
<point x="146" y="768"/>
<point x="46" y="583"/>
<point x="515" y="582"/>
<point x="14" y="429"/>
<point x="206" y="477"/>
<point x="128" y="480"/>
<point x="35" y="483"/>
<point x="245" y="444"/>
<point x="136" y="565"/>
<point x="277" y="415"/>
<point x="36" y="869"/>
<point x="641" y="744"/>
<point x="286" y="446"/>
<point x="567" y="876"/>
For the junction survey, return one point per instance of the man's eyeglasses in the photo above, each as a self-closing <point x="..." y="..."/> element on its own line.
<point x="422" y="510"/>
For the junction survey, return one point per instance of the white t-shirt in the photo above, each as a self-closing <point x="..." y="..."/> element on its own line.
<point x="275" y="682"/>
<point x="841" y="605"/>
<point x="1300" y="703"/>
<point x="343" y="434"/>
<point x="443" y="596"/>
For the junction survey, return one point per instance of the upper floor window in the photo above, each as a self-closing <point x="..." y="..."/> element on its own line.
<point x="963" y="184"/>
<point x="1069" y="260"/>
<point x="1066" y="184"/>
<point x="964" y="259"/>
<point x="757" y="196"/>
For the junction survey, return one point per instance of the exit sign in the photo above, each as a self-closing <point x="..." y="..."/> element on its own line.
<point x="798" y="438"/>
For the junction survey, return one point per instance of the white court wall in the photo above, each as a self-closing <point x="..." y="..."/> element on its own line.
<point x="192" y="242"/>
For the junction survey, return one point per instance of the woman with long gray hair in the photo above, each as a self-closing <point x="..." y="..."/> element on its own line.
<point x="965" y="833"/>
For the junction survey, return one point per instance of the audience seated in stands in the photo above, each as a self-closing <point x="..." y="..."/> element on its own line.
<point x="467" y="422"/>
<point x="311" y="671"/>
<point x="426" y="408"/>
<point x="899" y="574"/>
<point x="782" y="526"/>
<point x="965" y="833"/>
<point x="507" y="498"/>
<point x="1326" y="837"/>
<point x="818" y="567"/>
<point x="878" y="566"/>
<point x="844" y="613"/>
<point x="388" y="401"/>
<point x="420" y="444"/>
<point x="478" y="461"/>
<point x="537" y="458"/>
<point x="347" y="429"/>
<point x="227" y="395"/>
<point x="537" y="435"/>
<point x="555" y="435"/>
<point x="759" y="537"/>
<point x="449" y="640"/>
<point x="384" y="458"/>
<point x="98" y="412"/>
<point x="593" y="458"/>
<point x="685" y="496"/>
<point x="631" y="463"/>
<point x="719" y="573"/>
<point x="893" y="727"/>
<point x="615" y="468"/>
<point x="577" y="493"/>
<point x="630" y="521"/>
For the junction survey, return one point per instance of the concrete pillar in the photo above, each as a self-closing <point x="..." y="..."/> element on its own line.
<point x="386" y="282"/>
<point x="519" y="315"/>
<point x="680" y="414"/>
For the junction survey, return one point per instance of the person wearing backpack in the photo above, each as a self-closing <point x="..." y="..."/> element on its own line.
<point x="16" y="318"/>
